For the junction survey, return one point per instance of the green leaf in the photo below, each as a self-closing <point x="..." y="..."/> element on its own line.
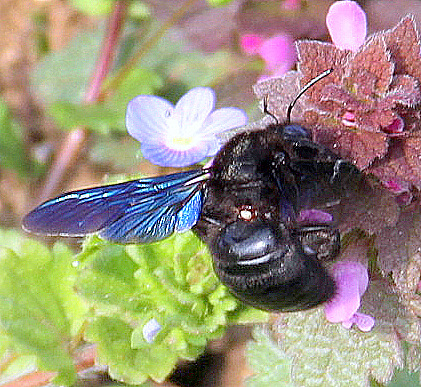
<point x="216" y="3"/>
<point x="31" y="313"/>
<point x="94" y="7"/>
<point x="171" y="282"/>
<point x="108" y="116"/>
<point x="112" y="336"/>
<point x="138" y="81"/>
<point x="329" y="355"/>
<point x="272" y="367"/>
<point x="405" y="378"/>
<point x="12" y="152"/>
<point x="39" y="310"/>
<point x="198" y="69"/>
<point x="101" y="118"/>
<point x="64" y="75"/>
<point x="106" y="279"/>
<point x="122" y="153"/>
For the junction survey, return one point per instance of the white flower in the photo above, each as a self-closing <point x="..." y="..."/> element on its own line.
<point x="184" y="134"/>
<point x="150" y="330"/>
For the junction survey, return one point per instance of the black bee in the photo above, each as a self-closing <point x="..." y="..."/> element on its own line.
<point x="248" y="208"/>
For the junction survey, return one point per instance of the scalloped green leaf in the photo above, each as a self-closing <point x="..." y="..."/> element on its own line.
<point x="272" y="367"/>
<point x="106" y="280"/>
<point x="171" y="282"/>
<point x="38" y="307"/>
<point x="330" y="355"/>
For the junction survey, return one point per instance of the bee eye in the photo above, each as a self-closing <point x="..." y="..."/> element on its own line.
<point x="247" y="213"/>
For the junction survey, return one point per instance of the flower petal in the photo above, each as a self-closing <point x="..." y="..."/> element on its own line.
<point x="150" y="330"/>
<point x="314" y="216"/>
<point x="224" y="119"/>
<point x="163" y="156"/>
<point x="279" y="53"/>
<point x="351" y="279"/>
<point x="147" y="117"/>
<point x="182" y="135"/>
<point x="396" y="126"/>
<point x="364" y="322"/>
<point x="347" y="25"/>
<point x="193" y="108"/>
<point x="250" y="43"/>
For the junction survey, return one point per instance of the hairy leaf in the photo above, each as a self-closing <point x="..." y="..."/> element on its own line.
<point x="271" y="365"/>
<point x="39" y="309"/>
<point x="329" y="355"/>
<point x="170" y="284"/>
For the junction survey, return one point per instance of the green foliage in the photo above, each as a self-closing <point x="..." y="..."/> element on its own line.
<point x="272" y="367"/>
<point x="61" y="78"/>
<point x="42" y="313"/>
<point x="172" y="282"/>
<point x="325" y="354"/>
<point x="94" y="7"/>
<point x="101" y="118"/>
<point x="405" y="378"/>
<point x="218" y="2"/>
<point x="64" y="75"/>
<point x="12" y="153"/>
<point x="108" y="116"/>
<point x="120" y="152"/>
<point x="198" y="69"/>
<point x="39" y="311"/>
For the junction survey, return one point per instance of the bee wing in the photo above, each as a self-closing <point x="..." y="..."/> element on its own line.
<point x="137" y="211"/>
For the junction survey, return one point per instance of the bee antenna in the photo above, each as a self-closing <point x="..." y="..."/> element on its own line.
<point x="303" y="90"/>
<point x="266" y="110"/>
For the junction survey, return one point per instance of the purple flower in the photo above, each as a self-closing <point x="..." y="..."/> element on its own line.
<point x="401" y="189"/>
<point x="314" y="216"/>
<point x="150" y="330"/>
<point x="347" y="25"/>
<point x="250" y="43"/>
<point x="351" y="279"/>
<point x="184" y="134"/>
<point x="278" y="52"/>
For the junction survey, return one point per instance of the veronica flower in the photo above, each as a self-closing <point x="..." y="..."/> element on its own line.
<point x="351" y="279"/>
<point x="347" y="25"/>
<point x="184" y="134"/>
<point x="150" y="330"/>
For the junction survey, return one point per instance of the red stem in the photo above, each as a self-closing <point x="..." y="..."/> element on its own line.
<point x="83" y="359"/>
<point x="114" y="28"/>
<point x="74" y="141"/>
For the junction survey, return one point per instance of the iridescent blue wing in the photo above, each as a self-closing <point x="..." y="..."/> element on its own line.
<point x="137" y="211"/>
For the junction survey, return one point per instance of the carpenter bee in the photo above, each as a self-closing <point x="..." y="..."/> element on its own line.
<point x="249" y="207"/>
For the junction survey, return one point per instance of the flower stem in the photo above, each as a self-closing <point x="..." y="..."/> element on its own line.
<point x="74" y="141"/>
<point x="122" y="73"/>
<point x="106" y="58"/>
